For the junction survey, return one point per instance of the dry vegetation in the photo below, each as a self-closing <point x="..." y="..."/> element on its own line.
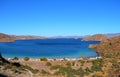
<point x="109" y="49"/>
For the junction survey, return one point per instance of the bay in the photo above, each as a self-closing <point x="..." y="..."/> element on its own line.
<point x="50" y="48"/>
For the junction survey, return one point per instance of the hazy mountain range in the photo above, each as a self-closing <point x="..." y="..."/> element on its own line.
<point x="10" y="38"/>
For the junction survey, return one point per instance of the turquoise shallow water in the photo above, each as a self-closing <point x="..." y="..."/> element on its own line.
<point x="50" y="48"/>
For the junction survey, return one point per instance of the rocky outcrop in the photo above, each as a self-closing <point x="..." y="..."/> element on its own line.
<point x="6" y="38"/>
<point x="97" y="37"/>
<point x="3" y="61"/>
<point x="12" y="69"/>
<point x="108" y="46"/>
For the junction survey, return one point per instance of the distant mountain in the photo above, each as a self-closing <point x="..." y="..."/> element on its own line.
<point x="6" y="38"/>
<point x="96" y="37"/>
<point x="100" y="37"/>
<point x="113" y="34"/>
<point x="54" y="37"/>
<point x="11" y="38"/>
<point x="28" y="37"/>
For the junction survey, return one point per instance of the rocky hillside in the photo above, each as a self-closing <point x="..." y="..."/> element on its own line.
<point x="15" y="69"/>
<point x="108" y="45"/>
<point x="11" y="38"/>
<point x="97" y="37"/>
<point x="113" y="34"/>
<point x="6" y="38"/>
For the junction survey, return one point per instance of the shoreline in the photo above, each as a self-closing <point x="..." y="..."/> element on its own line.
<point x="54" y="59"/>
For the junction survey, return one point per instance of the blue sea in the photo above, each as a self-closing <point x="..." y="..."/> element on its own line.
<point x="50" y="48"/>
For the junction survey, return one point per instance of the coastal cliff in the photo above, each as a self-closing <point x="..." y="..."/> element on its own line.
<point x="96" y="37"/>
<point x="108" y="46"/>
<point x="109" y="49"/>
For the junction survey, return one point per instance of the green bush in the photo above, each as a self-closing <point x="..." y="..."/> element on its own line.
<point x="68" y="64"/>
<point x="87" y="71"/>
<point x="108" y="55"/>
<point x="65" y="71"/>
<point x="43" y="59"/>
<point x="73" y="63"/>
<point x="97" y="65"/>
<point x="97" y="76"/>
<point x="48" y="64"/>
<point x="15" y="58"/>
<point x="26" y="58"/>
<point x="71" y="72"/>
<point x="45" y="72"/>
<point x="29" y="68"/>
<point x="55" y="67"/>
<point x="82" y="62"/>
<point x="80" y="72"/>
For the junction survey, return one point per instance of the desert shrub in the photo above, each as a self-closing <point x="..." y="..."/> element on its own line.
<point x="55" y="67"/>
<point x="68" y="64"/>
<point x="29" y="68"/>
<point x="15" y="58"/>
<point x="97" y="76"/>
<point x="66" y="71"/>
<point x="87" y="71"/>
<point x="82" y="62"/>
<point x="26" y="58"/>
<point x="108" y="55"/>
<point x="45" y="72"/>
<point x="69" y="72"/>
<point x="80" y="72"/>
<point x="43" y="59"/>
<point x="73" y="63"/>
<point x="48" y="64"/>
<point x="59" y="73"/>
<point x="97" y="65"/>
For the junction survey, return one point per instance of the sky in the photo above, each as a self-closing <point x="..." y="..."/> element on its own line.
<point x="59" y="17"/>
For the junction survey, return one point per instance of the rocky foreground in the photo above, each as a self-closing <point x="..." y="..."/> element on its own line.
<point x="14" y="69"/>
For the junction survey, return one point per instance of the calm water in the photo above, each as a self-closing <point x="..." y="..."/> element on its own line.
<point x="50" y="48"/>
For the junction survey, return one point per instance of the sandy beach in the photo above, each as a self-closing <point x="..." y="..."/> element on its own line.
<point x="56" y="59"/>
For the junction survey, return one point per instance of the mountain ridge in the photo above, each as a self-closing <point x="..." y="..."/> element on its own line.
<point x="96" y="37"/>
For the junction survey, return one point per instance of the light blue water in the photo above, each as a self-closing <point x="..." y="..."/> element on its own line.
<point x="50" y="48"/>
